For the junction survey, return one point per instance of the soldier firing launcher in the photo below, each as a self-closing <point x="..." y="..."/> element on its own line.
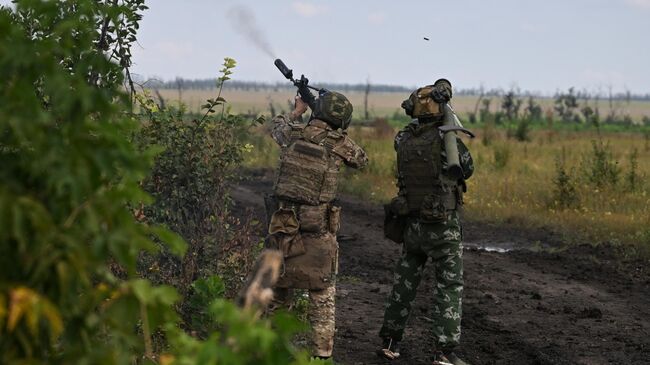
<point x="302" y="84"/>
<point x="441" y="94"/>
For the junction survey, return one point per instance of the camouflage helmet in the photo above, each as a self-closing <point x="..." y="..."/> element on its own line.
<point x="425" y="102"/>
<point x="421" y="104"/>
<point x="333" y="108"/>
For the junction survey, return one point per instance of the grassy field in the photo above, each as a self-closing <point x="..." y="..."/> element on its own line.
<point x="379" y="104"/>
<point x="514" y="181"/>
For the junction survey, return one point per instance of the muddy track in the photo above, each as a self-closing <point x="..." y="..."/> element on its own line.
<point x="579" y="305"/>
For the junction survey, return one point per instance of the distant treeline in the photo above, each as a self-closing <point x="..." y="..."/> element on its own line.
<point x="207" y="84"/>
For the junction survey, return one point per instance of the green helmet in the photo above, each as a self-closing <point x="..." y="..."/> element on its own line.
<point x="333" y="108"/>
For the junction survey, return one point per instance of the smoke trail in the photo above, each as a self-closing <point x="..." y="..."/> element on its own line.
<point x="243" y="21"/>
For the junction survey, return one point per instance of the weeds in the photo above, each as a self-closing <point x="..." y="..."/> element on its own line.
<point x="632" y="177"/>
<point x="489" y="133"/>
<point x="501" y="156"/>
<point x="565" y="194"/>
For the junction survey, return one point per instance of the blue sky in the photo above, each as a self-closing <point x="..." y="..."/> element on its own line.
<point x="533" y="45"/>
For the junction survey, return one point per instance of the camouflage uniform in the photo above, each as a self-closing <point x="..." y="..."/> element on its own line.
<point x="424" y="237"/>
<point x="303" y="220"/>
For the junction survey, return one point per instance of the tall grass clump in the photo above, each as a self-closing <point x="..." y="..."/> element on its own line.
<point x="632" y="177"/>
<point x="564" y="192"/>
<point x="502" y="154"/>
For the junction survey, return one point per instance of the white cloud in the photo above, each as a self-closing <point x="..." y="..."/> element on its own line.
<point x="307" y="9"/>
<point x="644" y="4"/>
<point x="376" y="18"/>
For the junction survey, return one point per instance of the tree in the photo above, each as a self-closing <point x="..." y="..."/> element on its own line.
<point x="510" y="105"/>
<point x="69" y="182"/>
<point x="566" y="106"/>
<point x="69" y="175"/>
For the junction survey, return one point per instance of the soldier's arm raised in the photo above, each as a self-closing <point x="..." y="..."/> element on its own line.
<point x="351" y="153"/>
<point x="281" y="131"/>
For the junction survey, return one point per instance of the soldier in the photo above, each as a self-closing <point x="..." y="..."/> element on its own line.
<point x="303" y="219"/>
<point x="428" y="203"/>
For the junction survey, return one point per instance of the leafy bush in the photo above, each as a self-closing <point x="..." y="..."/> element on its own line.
<point x="69" y="177"/>
<point x="190" y="181"/>
<point x="68" y="174"/>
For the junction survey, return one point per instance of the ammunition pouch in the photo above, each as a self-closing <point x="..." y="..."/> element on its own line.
<point x="313" y="218"/>
<point x="434" y="207"/>
<point x="316" y="268"/>
<point x="395" y="215"/>
<point x="284" y="233"/>
<point x="399" y="206"/>
<point x="334" y="221"/>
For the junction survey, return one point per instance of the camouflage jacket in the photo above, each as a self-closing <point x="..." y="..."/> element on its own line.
<point x="285" y="131"/>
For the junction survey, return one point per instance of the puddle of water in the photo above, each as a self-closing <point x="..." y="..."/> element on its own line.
<point x="491" y="247"/>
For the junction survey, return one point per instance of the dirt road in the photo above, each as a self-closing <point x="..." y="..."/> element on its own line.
<point x="536" y="303"/>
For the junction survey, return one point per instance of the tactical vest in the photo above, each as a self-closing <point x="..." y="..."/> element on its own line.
<point x="419" y="164"/>
<point x="308" y="172"/>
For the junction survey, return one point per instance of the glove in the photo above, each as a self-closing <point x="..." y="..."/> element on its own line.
<point x="442" y="91"/>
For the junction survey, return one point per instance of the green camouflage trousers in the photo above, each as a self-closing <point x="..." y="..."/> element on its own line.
<point x="441" y="242"/>
<point x="321" y="315"/>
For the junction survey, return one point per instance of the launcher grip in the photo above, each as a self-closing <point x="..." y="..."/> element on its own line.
<point x="305" y="94"/>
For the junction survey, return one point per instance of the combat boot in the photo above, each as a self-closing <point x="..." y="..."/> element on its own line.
<point x="389" y="349"/>
<point x="447" y="358"/>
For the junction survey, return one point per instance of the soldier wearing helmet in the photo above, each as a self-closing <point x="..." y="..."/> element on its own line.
<point x="303" y="219"/>
<point x="427" y="208"/>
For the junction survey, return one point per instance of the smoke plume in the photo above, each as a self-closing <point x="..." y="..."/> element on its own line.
<point x="243" y="21"/>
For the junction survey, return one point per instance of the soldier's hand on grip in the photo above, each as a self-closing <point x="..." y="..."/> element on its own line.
<point x="300" y="108"/>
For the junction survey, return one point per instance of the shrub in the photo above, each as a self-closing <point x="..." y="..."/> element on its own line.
<point x="564" y="193"/>
<point x="69" y="175"/>
<point x="599" y="167"/>
<point x="522" y="133"/>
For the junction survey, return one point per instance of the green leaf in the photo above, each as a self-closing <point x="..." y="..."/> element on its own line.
<point x="175" y="242"/>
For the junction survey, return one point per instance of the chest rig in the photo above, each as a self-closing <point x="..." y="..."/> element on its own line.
<point x="308" y="172"/>
<point x="420" y="175"/>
